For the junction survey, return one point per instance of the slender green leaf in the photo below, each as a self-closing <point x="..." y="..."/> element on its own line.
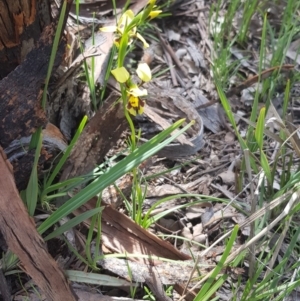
<point x="122" y="50"/>
<point x="60" y="185"/>
<point x="208" y="284"/>
<point x="266" y="167"/>
<point x="33" y="186"/>
<point x="214" y="288"/>
<point x="57" y="37"/>
<point x="259" y="131"/>
<point x="228" y="111"/>
<point x="67" y="152"/>
<point x="73" y="223"/>
<point x="93" y="278"/>
<point x="35" y="139"/>
<point x="90" y="237"/>
<point x="148" y="220"/>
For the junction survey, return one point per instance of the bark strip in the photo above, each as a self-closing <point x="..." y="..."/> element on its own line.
<point x="23" y="240"/>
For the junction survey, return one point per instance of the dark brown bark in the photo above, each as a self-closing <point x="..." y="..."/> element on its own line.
<point x="22" y="239"/>
<point x="97" y="138"/>
<point x="21" y="23"/>
<point x="20" y="92"/>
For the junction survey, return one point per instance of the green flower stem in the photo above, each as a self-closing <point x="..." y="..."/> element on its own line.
<point x="128" y="118"/>
<point x="134" y="194"/>
<point x="133" y="146"/>
<point x="121" y="58"/>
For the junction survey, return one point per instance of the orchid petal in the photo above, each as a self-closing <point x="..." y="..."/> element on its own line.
<point x="109" y="29"/>
<point x="145" y="44"/>
<point x="120" y="74"/>
<point x="144" y="73"/>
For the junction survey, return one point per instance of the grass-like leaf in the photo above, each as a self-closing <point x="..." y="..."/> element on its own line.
<point x="148" y="220"/>
<point x="33" y="186"/>
<point x="266" y="167"/>
<point x="56" y="41"/>
<point x="259" y="131"/>
<point x="93" y="278"/>
<point x="67" y="153"/>
<point x="206" y="292"/>
<point x="73" y="222"/>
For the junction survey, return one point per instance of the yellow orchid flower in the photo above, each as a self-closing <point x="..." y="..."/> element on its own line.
<point x="135" y="105"/>
<point x="123" y="22"/>
<point x="145" y="44"/>
<point x="109" y="29"/>
<point x="136" y="91"/>
<point x="154" y="13"/>
<point x="125" y="19"/>
<point x="119" y="29"/>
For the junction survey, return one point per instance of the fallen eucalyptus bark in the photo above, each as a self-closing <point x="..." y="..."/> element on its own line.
<point x="21" y="236"/>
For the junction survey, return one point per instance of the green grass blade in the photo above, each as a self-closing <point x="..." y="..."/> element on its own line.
<point x="259" y="131"/>
<point x="148" y="220"/>
<point x="67" y="152"/>
<point x="208" y="284"/>
<point x="33" y="186"/>
<point x="61" y="185"/>
<point x="227" y="109"/>
<point x="266" y="167"/>
<point x="286" y="288"/>
<point x="35" y="139"/>
<point x="73" y="223"/>
<point x="93" y="278"/>
<point x="57" y="37"/>
<point x="214" y="288"/>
